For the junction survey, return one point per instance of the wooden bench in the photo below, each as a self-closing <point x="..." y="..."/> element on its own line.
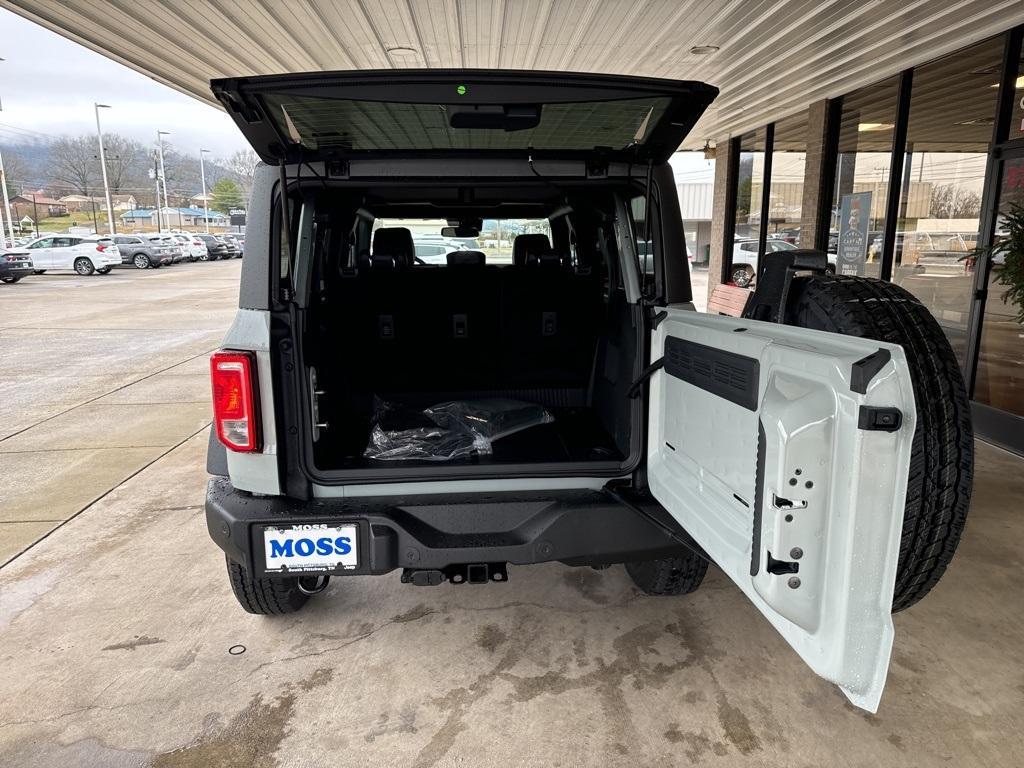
<point x="728" y="300"/>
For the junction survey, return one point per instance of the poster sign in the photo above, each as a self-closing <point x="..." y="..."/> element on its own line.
<point x="854" y="217"/>
<point x="237" y="217"/>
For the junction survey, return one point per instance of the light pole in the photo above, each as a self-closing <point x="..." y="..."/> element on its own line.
<point x="103" y="165"/>
<point x="206" y="203"/>
<point x="7" y="202"/>
<point x="163" y="176"/>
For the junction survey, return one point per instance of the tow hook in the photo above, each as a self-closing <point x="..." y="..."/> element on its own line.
<point x="311" y="585"/>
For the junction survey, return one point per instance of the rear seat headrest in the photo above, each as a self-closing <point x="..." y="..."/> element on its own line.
<point x="525" y="246"/>
<point x="466" y="259"/>
<point x="396" y="243"/>
<point x="547" y="260"/>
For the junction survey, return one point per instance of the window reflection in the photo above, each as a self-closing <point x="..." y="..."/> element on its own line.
<point x="943" y="180"/>
<point x="1000" y="378"/>
<point x="863" y="164"/>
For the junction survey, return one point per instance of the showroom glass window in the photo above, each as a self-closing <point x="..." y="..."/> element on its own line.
<point x="999" y="381"/>
<point x="863" y="162"/>
<point x="749" y="197"/>
<point x="786" y="186"/>
<point x="750" y="186"/>
<point x="1017" y="115"/>
<point x="952" y="108"/>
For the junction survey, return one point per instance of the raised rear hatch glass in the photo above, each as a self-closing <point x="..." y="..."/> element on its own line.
<point x="327" y="115"/>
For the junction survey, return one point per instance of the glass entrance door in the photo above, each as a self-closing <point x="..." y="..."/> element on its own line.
<point x="999" y="377"/>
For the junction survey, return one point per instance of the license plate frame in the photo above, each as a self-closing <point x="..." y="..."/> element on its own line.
<point x="289" y="558"/>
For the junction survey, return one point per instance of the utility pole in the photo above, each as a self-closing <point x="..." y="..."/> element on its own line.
<point x="7" y="203"/>
<point x="163" y="177"/>
<point x="103" y="166"/>
<point x="206" y="203"/>
<point x="156" y="177"/>
<point x="35" y="214"/>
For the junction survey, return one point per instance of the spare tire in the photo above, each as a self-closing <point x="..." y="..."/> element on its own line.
<point x="942" y="459"/>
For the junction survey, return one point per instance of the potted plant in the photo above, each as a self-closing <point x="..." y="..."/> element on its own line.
<point x="1007" y="257"/>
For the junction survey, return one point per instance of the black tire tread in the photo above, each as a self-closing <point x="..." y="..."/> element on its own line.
<point x="266" y="596"/>
<point x="942" y="459"/>
<point x="669" y="575"/>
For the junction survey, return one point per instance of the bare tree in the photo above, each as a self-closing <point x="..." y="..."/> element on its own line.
<point x="243" y="162"/>
<point x="243" y="165"/>
<point x="948" y="201"/>
<point x="127" y="162"/>
<point x="15" y="172"/>
<point x="74" y="163"/>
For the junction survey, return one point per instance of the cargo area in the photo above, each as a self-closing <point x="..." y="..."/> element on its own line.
<point x="533" y="351"/>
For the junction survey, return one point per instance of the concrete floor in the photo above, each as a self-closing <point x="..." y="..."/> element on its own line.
<point x="116" y="630"/>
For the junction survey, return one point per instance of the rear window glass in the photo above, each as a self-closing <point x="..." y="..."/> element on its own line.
<point x="344" y="124"/>
<point x="495" y="240"/>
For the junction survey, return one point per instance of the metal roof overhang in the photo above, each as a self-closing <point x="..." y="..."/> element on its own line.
<point x="774" y="58"/>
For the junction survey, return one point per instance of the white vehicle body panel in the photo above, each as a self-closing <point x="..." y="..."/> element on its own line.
<point x="845" y="505"/>
<point x="256" y="472"/>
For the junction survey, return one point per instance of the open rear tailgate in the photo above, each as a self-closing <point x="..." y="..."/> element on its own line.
<point x="333" y="115"/>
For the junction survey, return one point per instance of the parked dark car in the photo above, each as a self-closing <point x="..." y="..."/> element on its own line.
<point x="233" y="248"/>
<point x="142" y="252"/>
<point x="235" y="242"/>
<point x="215" y="248"/>
<point x="14" y="265"/>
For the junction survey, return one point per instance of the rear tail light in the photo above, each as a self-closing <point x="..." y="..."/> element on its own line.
<point x="235" y="408"/>
<point x="101" y="248"/>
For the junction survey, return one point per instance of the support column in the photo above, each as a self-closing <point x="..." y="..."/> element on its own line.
<point x="818" y="176"/>
<point x="721" y="225"/>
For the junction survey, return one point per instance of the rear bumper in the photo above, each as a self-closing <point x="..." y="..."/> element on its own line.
<point x="18" y="271"/>
<point x="426" y="533"/>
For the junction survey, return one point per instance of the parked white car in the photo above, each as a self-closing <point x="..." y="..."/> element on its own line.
<point x="431" y="251"/>
<point x="84" y="254"/>
<point x="744" y="259"/>
<point x="191" y="246"/>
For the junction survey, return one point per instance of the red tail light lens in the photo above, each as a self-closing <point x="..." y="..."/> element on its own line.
<point x="235" y="409"/>
<point x="101" y="248"/>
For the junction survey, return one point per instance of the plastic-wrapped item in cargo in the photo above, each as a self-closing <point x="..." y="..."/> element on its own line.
<point x="448" y="431"/>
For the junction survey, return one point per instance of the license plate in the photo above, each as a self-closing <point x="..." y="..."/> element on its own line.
<point x="310" y="548"/>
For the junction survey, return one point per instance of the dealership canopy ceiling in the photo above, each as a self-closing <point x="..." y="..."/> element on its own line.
<point x="769" y="59"/>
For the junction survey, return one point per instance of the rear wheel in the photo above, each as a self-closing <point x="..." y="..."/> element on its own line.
<point x="204" y="257"/>
<point x="742" y="276"/>
<point x="942" y="459"/>
<point x="266" y="596"/>
<point x="83" y="266"/>
<point x="140" y="260"/>
<point x="669" y="575"/>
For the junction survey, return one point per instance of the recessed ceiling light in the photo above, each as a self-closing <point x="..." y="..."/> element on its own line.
<point x="704" y="50"/>
<point x="862" y="127"/>
<point x="401" y="51"/>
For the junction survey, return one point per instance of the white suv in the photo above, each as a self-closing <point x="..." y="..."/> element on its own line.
<point x="84" y="254"/>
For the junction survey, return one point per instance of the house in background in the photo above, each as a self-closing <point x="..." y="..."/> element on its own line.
<point x="174" y="218"/>
<point x="79" y="203"/>
<point x="37" y="206"/>
<point x="123" y="202"/>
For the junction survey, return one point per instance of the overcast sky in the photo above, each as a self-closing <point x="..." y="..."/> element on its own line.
<point x="48" y="85"/>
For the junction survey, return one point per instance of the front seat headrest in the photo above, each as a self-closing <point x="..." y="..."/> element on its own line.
<point x="395" y="242"/>
<point x="524" y="246"/>
<point x="466" y="259"/>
